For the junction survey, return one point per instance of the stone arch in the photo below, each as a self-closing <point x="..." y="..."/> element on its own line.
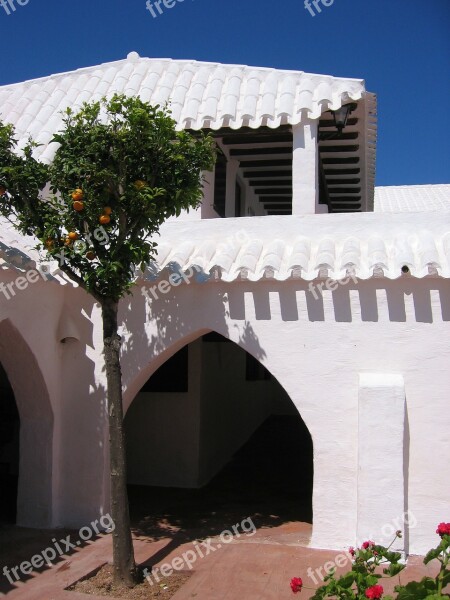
<point x="147" y="368"/>
<point x="34" y="496"/>
<point x="247" y="343"/>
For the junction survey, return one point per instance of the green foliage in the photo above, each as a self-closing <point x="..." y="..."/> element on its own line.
<point x="428" y="588"/>
<point x="23" y="177"/>
<point x="418" y="590"/>
<point x="128" y="168"/>
<point x="365" y="573"/>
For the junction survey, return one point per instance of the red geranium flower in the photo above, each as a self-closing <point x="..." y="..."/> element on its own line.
<point x="368" y="544"/>
<point x="443" y="529"/>
<point x="375" y="592"/>
<point x="296" y="584"/>
<point x="351" y="551"/>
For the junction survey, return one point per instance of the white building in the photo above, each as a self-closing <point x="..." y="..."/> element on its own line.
<point x="341" y="291"/>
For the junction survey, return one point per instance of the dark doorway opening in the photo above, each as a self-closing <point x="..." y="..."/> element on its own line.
<point x="272" y="473"/>
<point x="270" y="479"/>
<point x="9" y="450"/>
<point x="224" y="444"/>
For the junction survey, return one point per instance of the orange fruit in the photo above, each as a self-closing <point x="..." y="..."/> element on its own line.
<point x="105" y="219"/>
<point x="78" y="205"/>
<point x="67" y="241"/>
<point x="77" y="194"/>
<point x="107" y="210"/>
<point x="139" y="184"/>
<point x="90" y="255"/>
<point x="73" y="235"/>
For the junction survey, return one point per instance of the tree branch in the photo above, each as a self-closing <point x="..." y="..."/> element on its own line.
<point x="77" y="279"/>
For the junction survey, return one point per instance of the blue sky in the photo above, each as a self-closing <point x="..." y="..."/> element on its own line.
<point x="400" y="47"/>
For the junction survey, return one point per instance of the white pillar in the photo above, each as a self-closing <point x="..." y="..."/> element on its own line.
<point x="381" y="479"/>
<point x="305" y="171"/>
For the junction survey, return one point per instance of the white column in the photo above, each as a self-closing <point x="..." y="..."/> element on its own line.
<point x="305" y="171"/>
<point x="381" y="443"/>
<point x="230" y="200"/>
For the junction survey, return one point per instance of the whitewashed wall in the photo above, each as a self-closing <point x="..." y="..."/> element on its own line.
<point x="316" y="349"/>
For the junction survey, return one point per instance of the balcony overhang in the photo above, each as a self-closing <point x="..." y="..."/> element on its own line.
<point x="346" y="161"/>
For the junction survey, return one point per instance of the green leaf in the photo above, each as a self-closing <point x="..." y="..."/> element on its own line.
<point x="431" y="555"/>
<point x="393" y="569"/>
<point x="372" y="580"/>
<point x="417" y="590"/>
<point x="319" y="594"/>
<point x="446" y="578"/>
<point x="347" y="580"/>
<point x="392" y="557"/>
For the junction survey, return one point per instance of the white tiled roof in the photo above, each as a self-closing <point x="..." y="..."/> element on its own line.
<point x="308" y="246"/>
<point x="412" y="198"/>
<point x="202" y="95"/>
<point x="280" y="248"/>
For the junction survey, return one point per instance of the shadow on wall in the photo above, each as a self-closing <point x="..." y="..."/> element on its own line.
<point x="83" y="413"/>
<point x="419" y="299"/>
<point x="53" y="465"/>
<point x="171" y="316"/>
<point x="174" y="319"/>
<point x="180" y="316"/>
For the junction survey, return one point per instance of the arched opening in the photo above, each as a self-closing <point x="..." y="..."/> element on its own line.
<point x="28" y="453"/>
<point x="9" y="450"/>
<point x="213" y="438"/>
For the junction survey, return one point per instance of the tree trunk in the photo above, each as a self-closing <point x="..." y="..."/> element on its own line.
<point x="124" y="565"/>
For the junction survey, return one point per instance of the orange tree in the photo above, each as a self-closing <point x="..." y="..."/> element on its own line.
<point x="120" y="170"/>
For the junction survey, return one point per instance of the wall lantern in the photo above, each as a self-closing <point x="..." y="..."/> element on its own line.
<point x="340" y="118"/>
<point x="341" y="115"/>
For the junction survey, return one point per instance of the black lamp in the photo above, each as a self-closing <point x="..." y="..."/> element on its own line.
<point x="340" y="115"/>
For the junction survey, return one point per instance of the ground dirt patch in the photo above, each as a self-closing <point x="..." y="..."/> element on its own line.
<point x="101" y="584"/>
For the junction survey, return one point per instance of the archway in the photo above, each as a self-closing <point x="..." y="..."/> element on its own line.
<point x="33" y="449"/>
<point x="9" y="450"/>
<point x="213" y="432"/>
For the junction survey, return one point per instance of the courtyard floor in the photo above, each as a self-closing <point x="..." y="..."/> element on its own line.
<point x="167" y="523"/>
<point x="248" y="568"/>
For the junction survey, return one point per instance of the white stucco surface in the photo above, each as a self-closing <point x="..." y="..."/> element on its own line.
<point x="316" y="349"/>
<point x="381" y="460"/>
<point x="305" y="168"/>
<point x="317" y="345"/>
